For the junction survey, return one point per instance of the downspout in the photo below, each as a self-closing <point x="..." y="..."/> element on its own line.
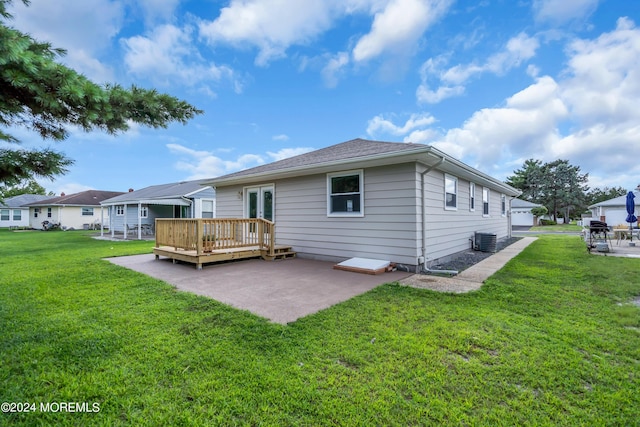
<point x="424" y="269"/>
<point x="191" y="205"/>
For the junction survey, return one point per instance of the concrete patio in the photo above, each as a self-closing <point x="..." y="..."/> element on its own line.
<point x="281" y="291"/>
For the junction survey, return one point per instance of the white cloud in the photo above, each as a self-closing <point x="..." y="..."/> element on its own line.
<point x="562" y="11"/>
<point x="168" y="54"/>
<point x="451" y="81"/>
<point x="285" y="153"/>
<point x="334" y="68"/>
<point x="526" y="124"/>
<point x="85" y="29"/>
<point x="69" y="188"/>
<point x="270" y="25"/>
<point x="398" y="26"/>
<point x="204" y="164"/>
<point x="281" y="137"/>
<point x="158" y="10"/>
<point x="380" y="125"/>
<point x="273" y="26"/>
<point x="587" y="116"/>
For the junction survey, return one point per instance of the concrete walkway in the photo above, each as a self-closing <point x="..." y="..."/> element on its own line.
<point x="472" y="278"/>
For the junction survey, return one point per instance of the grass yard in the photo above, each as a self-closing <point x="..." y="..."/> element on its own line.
<point x="558" y="227"/>
<point x="551" y="339"/>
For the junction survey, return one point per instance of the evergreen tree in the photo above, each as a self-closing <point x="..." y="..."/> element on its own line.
<point x="42" y="95"/>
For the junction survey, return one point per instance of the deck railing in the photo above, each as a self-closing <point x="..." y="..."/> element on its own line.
<point x="206" y="235"/>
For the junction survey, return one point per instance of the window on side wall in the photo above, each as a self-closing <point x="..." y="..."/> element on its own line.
<point x="485" y="201"/>
<point x="345" y="194"/>
<point x="4" y="215"/>
<point x="503" y="205"/>
<point x="49" y="213"/>
<point x="207" y="209"/>
<point x="450" y="192"/>
<point x="120" y="210"/>
<point x="144" y="211"/>
<point x="36" y="211"/>
<point x="17" y="215"/>
<point x="87" y="211"/>
<point x="472" y="196"/>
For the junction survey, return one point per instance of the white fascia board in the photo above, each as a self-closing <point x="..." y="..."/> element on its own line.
<point x="197" y="191"/>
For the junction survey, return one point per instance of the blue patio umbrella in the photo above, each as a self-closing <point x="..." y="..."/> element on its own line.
<point x="631" y="207"/>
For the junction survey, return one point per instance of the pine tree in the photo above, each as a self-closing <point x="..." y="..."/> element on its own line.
<point x="40" y="94"/>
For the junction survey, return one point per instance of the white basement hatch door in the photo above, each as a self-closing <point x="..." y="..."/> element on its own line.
<point x="364" y="265"/>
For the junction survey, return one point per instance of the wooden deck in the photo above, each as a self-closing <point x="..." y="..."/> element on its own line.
<point x="200" y="241"/>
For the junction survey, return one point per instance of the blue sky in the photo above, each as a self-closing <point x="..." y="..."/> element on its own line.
<point x="492" y="83"/>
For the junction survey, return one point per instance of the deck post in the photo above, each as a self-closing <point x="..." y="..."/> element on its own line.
<point x="199" y="238"/>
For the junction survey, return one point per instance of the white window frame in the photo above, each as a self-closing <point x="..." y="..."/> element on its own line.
<point x="3" y="213"/>
<point x="503" y="205"/>
<point x="36" y="211"/>
<point x="49" y="213"/>
<point x="213" y="207"/>
<point x="472" y="196"/>
<point x="486" y="201"/>
<point x="454" y="180"/>
<point x="89" y="211"/>
<point x="144" y="211"/>
<point x="330" y="176"/>
<point x="17" y="217"/>
<point x="119" y="210"/>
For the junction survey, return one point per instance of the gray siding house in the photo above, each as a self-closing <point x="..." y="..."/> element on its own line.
<point x="408" y="203"/>
<point x="613" y="211"/>
<point x="134" y="213"/>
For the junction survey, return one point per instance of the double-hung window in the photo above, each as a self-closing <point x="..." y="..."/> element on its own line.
<point x="4" y="214"/>
<point x="144" y="211"/>
<point x="345" y="193"/>
<point x="17" y="215"/>
<point x="450" y="192"/>
<point x="87" y="211"/>
<point x="119" y="210"/>
<point x="485" y="201"/>
<point x="207" y="209"/>
<point x="503" y="205"/>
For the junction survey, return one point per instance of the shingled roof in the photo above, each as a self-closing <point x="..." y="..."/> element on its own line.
<point x="360" y="153"/>
<point x="84" y="198"/>
<point x="162" y="191"/>
<point x="22" y="200"/>
<point x="352" y="150"/>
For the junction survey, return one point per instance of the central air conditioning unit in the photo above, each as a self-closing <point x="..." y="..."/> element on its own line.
<point x="485" y="242"/>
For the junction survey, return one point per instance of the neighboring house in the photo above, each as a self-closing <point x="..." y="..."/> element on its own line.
<point x="76" y="211"/>
<point x="613" y="211"/>
<point x="14" y="211"/>
<point x="521" y="213"/>
<point x="136" y="211"/>
<point x="408" y="203"/>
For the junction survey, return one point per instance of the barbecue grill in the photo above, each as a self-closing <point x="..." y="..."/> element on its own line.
<point x="597" y="233"/>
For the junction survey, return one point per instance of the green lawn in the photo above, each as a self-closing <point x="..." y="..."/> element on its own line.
<point x="557" y="227"/>
<point x="551" y="339"/>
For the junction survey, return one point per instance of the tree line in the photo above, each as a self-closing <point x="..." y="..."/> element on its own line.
<point x="560" y="187"/>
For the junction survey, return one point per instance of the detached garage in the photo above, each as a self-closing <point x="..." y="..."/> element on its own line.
<point x="521" y="213"/>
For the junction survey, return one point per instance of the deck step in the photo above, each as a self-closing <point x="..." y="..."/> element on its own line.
<point x="281" y="252"/>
